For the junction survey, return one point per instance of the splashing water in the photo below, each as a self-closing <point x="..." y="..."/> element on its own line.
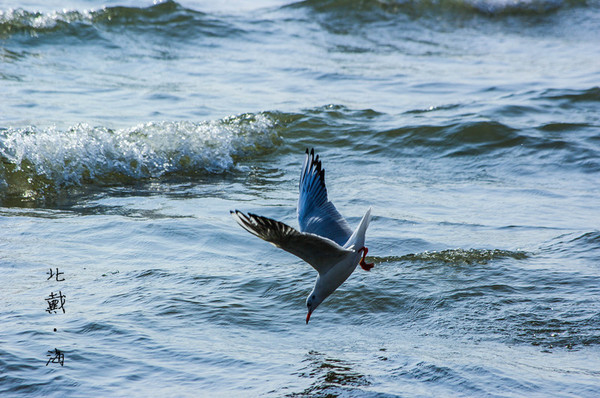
<point x="84" y="154"/>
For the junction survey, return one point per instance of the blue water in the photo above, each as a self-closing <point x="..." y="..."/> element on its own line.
<point x="129" y="130"/>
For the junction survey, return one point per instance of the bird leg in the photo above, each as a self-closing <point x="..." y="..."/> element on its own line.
<point x="363" y="264"/>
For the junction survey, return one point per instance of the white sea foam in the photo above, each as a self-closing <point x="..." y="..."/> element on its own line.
<point x="87" y="154"/>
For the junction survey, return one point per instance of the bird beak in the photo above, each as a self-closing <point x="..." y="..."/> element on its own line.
<point x="308" y="316"/>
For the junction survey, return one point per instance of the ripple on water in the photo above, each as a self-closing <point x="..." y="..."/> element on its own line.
<point x="330" y="377"/>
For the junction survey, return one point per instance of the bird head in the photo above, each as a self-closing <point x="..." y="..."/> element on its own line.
<point x="312" y="302"/>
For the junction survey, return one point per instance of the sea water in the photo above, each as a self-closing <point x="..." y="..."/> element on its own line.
<point x="129" y="130"/>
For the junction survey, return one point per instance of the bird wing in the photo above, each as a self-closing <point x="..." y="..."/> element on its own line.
<point x="316" y="214"/>
<point x="321" y="253"/>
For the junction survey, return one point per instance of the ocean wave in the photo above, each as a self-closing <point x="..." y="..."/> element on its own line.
<point x="585" y="246"/>
<point x="557" y="332"/>
<point x="456" y="256"/>
<point x="377" y="9"/>
<point x="38" y="161"/>
<point x="167" y="18"/>
<point x="457" y="139"/>
<point x="571" y="96"/>
<point x="573" y="144"/>
<point x="537" y="307"/>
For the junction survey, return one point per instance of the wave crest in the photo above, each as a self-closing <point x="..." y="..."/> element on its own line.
<point x="35" y="159"/>
<point x="457" y="256"/>
<point x="495" y="8"/>
<point x="164" y="18"/>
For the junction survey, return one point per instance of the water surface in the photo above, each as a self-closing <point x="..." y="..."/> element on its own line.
<point x="129" y="130"/>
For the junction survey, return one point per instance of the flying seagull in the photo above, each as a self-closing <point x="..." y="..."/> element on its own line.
<point x="325" y="239"/>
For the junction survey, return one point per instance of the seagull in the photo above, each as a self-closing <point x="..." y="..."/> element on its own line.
<point x="325" y="240"/>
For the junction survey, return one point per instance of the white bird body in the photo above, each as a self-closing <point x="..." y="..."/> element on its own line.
<point x="327" y="282"/>
<point x="325" y="239"/>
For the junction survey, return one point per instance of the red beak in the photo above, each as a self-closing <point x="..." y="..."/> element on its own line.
<point x="308" y="316"/>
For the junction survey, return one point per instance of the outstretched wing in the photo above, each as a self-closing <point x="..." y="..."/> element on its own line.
<point x="321" y="253"/>
<point x="316" y="214"/>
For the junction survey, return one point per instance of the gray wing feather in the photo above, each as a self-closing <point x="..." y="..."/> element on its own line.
<point x="321" y="253"/>
<point x="316" y="214"/>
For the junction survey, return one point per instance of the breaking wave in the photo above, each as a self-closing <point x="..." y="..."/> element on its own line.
<point x="35" y="161"/>
<point x="164" y="19"/>
<point x="456" y="256"/>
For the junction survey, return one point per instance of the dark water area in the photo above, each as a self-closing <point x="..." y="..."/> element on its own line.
<point x="129" y="130"/>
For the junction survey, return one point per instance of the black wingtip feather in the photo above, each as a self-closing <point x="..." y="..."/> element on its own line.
<point x="265" y="228"/>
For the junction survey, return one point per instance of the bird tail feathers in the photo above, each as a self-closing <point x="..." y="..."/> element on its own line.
<point x="357" y="240"/>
